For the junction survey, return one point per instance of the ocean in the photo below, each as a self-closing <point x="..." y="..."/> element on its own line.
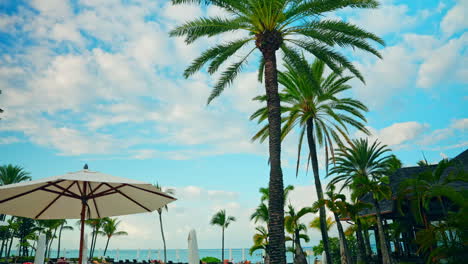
<point x="178" y="255"/>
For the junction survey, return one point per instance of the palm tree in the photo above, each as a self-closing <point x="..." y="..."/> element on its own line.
<point x="222" y="220"/>
<point x="160" y="210"/>
<point x="353" y="212"/>
<point x="315" y="223"/>
<point x="336" y="203"/>
<point x="260" y="240"/>
<point x="294" y="227"/>
<point x="315" y="103"/>
<point x="261" y="212"/>
<point x="63" y="226"/>
<point x="269" y="26"/>
<point x="10" y="174"/>
<point x="96" y="225"/>
<point x="109" y="229"/>
<point x="364" y="169"/>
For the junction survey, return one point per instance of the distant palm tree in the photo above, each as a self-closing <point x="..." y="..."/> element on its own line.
<point x="364" y="168"/>
<point x="96" y="225"/>
<point x="336" y="203"/>
<point x="160" y="210"/>
<point x="260" y="240"/>
<point x="222" y="220"/>
<point x="315" y="223"/>
<point x="269" y="26"/>
<point x="10" y="174"/>
<point x="295" y="227"/>
<point x="314" y="102"/>
<point x="63" y="226"/>
<point x="109" y="229"/>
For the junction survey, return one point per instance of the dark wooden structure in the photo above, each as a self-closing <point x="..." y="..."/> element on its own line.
<point x="401" y="246"/>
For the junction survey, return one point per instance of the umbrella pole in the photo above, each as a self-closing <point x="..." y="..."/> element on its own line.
<point x="82" y="232"/>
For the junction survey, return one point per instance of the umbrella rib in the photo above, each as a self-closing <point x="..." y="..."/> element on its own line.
<point x="153" y="192"/>
<point x="128" y="197"/>
<point x="53" y="201"/>
<point x="57" y="192"/>
<point x="107" y="192"/>
<point x="99" y="186"/>
<point x="66" y="190"/>
<point x="94" y="200"/>
<point x="27" y="192"/>
<point x="79" y="189"/>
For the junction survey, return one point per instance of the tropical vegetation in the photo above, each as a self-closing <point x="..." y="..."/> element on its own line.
<point x="221" y="219"/>
<point x="268" y="26"/>
<point x="109" y="230"/>
<point x="160" y="211"/>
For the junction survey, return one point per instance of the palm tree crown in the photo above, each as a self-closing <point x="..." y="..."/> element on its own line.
<point x="269" y="25"/>
<point x="10" y="174"/>
<point x="221" y="219"/>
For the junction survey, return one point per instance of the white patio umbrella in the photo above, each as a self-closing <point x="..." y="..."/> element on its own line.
<point x="193" y="257"/>
<point x="148" y="256"/>
<point x="40" y="249"/>
<point x="80" y="195"/>
<point x="117" y="257"/>
<point x="84" y="250"/>
<point x="138" y="254"/>
<point x="243" y="254"/>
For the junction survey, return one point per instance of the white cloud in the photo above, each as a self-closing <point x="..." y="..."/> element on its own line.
<point x="455" y="20"/>
<point x="457" y="125"/>
<point x="397" y="134"/>
<point x="9" y="140"/>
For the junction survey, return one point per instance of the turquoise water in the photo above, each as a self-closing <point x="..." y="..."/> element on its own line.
<point x="176" y="255"/>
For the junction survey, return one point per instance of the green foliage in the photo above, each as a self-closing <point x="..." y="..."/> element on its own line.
<point x="210" y="260"/>
<point x="296" y="23"/>
<point x="221" y="219"/>
<point x="10" y="174"/>
<point x="335" y="248"/>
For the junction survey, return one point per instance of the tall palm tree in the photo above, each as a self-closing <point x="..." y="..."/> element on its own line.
<point x="95" y="225"/>
<point x="10" y="174"/>
<point x="109" y="229"/>
<point x="160" y="210"/>
<point x="295" y="227"/>
<point x="336" y="203"/>
<point x="353" y="212"/>
<point x="364" y="167"/>
<point x="222" y="220"/>
<point x="271" y="25"/>
<point x="315" y="103"/>
<point x="63" y="226"/>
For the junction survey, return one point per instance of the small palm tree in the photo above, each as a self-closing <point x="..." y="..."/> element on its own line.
<point x="295" y="227"/>
<point x="109" y="229"/>
<point x="336" y="203"/>
<point x="95" y="225"/>
<point x="315" y="103"/>
<point x="260" y="240"/>
<point x="268" y="26"/>
<point x="222" y="220"/>
<point x="315" y="223"/>
<point x="363" y="168"/>
<point x="160" y="210"/>
<point x="10" y="174"/>
<point x="63" y="226"/>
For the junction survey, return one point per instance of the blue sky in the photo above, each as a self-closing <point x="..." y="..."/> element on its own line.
<point x="100" y="82"/>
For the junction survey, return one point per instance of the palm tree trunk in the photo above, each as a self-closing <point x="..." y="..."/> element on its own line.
<point x="386" y="259"/>
<point x="162" y="234"/>
<point x="107" y="244"/>
<point x="1" y="249"/>
<point x="318" y="188"/>
<point x="9" y="247"/>
<point x="299" y="257"/>
<point x="361" y="252"/>
<point x="277" y="247"/>
<point x="222" y="246"/>
<point x="59" y="240"/>
<point x="367" y="242"/>
<point x="344" y="250"/>
<point x="50" y="243"/>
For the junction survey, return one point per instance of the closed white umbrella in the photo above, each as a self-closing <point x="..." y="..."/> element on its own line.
<point x="324" y="258"/>
<point x="230" y="254"/>
<point x="138" y="254"/>
<point x="243" y="254"/>
<point x="84" y="254"/>
<point x="80" y="195"/>
<point x="40" y="249"/>
<point x="148" y="256"/>
<point x="117" y="257"/>
<point x="177" y="255"/>
<point x="193" y="257"/>
<point x="159" y="254"/>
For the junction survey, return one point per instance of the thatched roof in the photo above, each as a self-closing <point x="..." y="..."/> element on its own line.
<point x="388" y="206"/>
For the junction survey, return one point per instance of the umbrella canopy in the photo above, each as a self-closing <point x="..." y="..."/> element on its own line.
<point x="81" y="195"/>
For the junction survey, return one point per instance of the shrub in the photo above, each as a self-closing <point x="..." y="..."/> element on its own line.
<point x="210" y="260"/>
